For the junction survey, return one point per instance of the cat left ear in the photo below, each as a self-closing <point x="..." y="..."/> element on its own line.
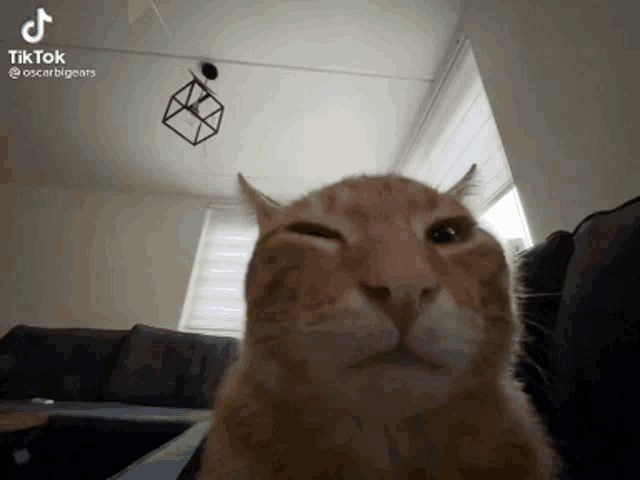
<point x="465" y="186"/>
<point x="266" y="209"/>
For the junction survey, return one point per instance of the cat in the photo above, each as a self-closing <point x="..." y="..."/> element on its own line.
<point x="380" y="344"/>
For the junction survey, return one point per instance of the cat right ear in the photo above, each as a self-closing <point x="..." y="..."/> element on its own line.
<point x="266" y="209"/>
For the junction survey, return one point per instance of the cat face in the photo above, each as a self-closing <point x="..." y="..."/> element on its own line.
<point x="375" y="294"/>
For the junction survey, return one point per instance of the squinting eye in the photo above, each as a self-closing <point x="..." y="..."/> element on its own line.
<point x="447" y="233"/>
<point x="306" y="228"/>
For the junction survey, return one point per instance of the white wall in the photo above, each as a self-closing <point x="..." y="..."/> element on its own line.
<point x="562" y="79"/>
<point x="95" y="259"/>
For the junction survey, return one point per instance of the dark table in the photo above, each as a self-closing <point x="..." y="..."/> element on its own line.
<point x="87" y="440"/>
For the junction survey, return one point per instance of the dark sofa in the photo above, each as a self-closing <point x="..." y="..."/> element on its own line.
<point x="583" y="348"/>
<point x="144" y="365"/>
<point x="123" y="391"/>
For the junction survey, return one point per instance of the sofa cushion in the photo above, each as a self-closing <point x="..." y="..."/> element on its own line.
<point x="57" y="363"/>
<point x="597" y="349"/>
<point x="159" y="367"/>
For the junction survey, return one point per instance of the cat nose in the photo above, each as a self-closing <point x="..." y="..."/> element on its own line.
<point x="382" y="294"/>
<point x="400" y="302"/>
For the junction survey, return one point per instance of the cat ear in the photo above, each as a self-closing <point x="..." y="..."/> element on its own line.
<point x="465" y="186"/>
<point x="266" y="208"/>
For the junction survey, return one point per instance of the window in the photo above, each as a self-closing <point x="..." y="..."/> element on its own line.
<point x="215" y="302"/>
<point x="507" y="220"/>
<point x="457" y="129"/>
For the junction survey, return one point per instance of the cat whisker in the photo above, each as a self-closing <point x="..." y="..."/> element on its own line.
<point x="538" y="326"/>
<point x="533" y="295"/>
<point x="525" y="356"/>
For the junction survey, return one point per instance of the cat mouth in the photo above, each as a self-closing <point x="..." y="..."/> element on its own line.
<point x="401" y="356"/>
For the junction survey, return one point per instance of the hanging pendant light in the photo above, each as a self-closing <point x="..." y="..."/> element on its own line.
<point x="194" y="112"/>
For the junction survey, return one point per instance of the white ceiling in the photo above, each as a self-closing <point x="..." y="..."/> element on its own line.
<point x="313" y="90"/>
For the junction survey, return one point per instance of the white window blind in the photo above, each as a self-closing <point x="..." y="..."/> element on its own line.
<point x="457" y="130"/>
<point x="215" y="301"/>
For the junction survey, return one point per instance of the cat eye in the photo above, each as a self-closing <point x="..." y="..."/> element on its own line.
<point x="315" y="230"/>
<point x="450" y="231"/>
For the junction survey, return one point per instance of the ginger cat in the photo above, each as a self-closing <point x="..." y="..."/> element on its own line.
<point x="380" y="344"/>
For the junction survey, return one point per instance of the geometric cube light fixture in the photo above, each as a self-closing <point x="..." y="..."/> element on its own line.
<point x="193" y="112"/>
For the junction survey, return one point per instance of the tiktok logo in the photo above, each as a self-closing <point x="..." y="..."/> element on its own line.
<point x="41" y="17"/>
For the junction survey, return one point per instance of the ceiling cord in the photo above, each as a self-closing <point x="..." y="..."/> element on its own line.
<point x="166" y="29"/>
<point x="238" y="62"/>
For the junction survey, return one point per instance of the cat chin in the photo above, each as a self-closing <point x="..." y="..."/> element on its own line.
<point x="390" y="391"/>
